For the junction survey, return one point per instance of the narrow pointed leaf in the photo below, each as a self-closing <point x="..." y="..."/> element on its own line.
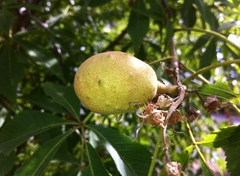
<point x="188" y="13"/>
<point x="65" y="96"/>
<point x="138" y="24"/>
<point x="207" y="15"/>
<point x="208" y="56"/>
<point x="96" y="166"/>
<point x="45" y="102"/>
<point x="18" y="131"/>
<point x="130" y="157"/>
<point x="183" y="158"/>
<point x="38" y="163"/>
<point x="11" y="73"/>
<point x="6" y="19"/>
<point x="199" y="43"/>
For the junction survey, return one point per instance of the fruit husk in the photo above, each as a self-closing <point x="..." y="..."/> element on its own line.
<point x="114" y="83"/>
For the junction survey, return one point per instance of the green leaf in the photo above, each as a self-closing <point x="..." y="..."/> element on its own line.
<point x="199" y="43"/>
<point x="38" y="163"/>
<point x="44" y="102"/>
<point x="94" y="3"/>
<point x="42" y="56"/>
<point x="207" y="15"/>
<point x="64" y="152"/>
<point x="156" y="11"/>
<point x="208" y="56"/>
<point x="188" y="13"/>
<point x="205" y="168"/>
<point x="138" y="24"/>
<point x="6" y="163"/>
<point x="65" y="96"/>
<point x="130" y="157"/>
<point x="6" y="19"/>
<point x="219" y="89"/>
<point x="95" y="167"/>
<point x="11" y="73"/>
<point x="218" y="138"/>
<point x="229" y="139"/>
<point x="183" y="158"/>
<point x="18" y="130"/>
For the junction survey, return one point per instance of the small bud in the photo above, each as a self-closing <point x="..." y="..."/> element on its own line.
<point x="193" y="114"/>
<point x="173" y="169"/>
<point x="211" y="103"/>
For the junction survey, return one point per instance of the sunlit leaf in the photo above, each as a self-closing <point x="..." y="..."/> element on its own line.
<point x="218" y="138"/>
<point x="24" y="125"/>
<point x="138" y="24"/>
<point x="229" y="139"/>
<point x="130" y="157"/>
<point x="184" y="157"/>
<point x="38" y="163"/>
<point x="219" y="89"/>
<point x="64" y="96"/>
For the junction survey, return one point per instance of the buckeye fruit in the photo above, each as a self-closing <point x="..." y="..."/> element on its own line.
<point x="114" y="83"/>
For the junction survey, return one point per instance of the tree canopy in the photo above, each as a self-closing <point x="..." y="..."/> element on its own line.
<point x="46" y="130"/>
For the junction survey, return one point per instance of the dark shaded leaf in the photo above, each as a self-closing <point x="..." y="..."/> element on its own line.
<point x="11" y="73"/>
<point x="156" y="11"/>
<point x="207" y="15"/>
<point x="18" y="130"/>
<point x="199" y="43"/>
<point x="130" y="157"/>
<point x="42" y="56"/>
<point x="63" y="154"/>
<point x="188" y="13"/>
<point x="38" y="163"/>
<point x="138" y="24"/>
<point x="208" y="56"/>
<point x="94" y="3"/>
<point x="45" y="102"/>
<point x="6" y="163"/>
<point x="219" y="89"/>
<point x="6" y="19"/>
<point x="64" y="96"/>
<point x="95" y="166"/>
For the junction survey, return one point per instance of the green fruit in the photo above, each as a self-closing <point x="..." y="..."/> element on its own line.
<point x="114" y="83"/>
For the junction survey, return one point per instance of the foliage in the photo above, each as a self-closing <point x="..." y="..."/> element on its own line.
<point x="45" y="130"/>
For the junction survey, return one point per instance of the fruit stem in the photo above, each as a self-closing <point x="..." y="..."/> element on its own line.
<point x="171" y="90"/>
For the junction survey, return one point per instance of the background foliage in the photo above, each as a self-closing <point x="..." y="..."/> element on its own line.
<point x="46" y="131"/>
